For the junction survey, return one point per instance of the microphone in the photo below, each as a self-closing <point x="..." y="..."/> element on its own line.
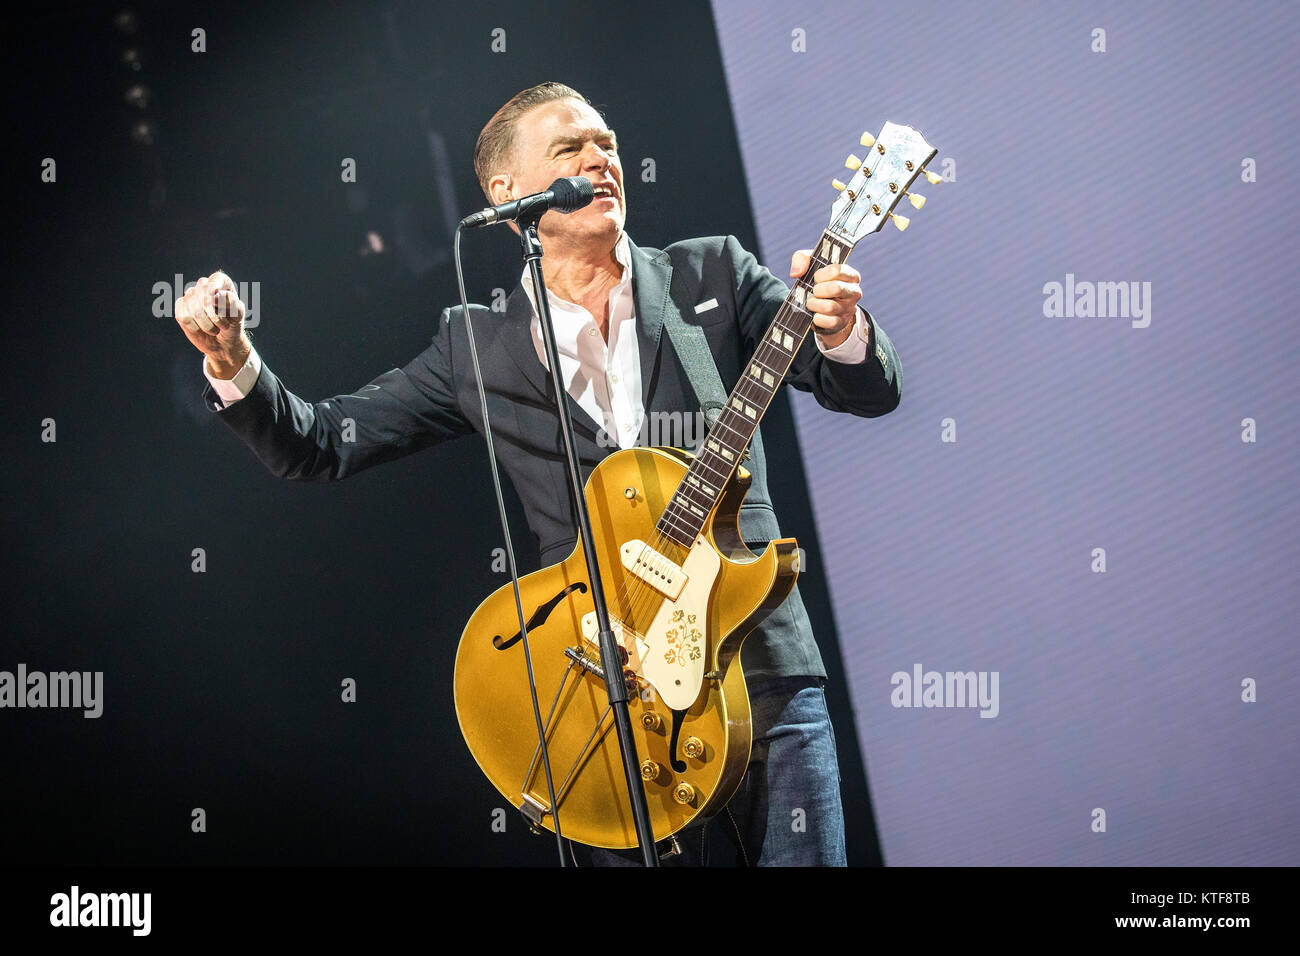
<point x="565" y="195"/>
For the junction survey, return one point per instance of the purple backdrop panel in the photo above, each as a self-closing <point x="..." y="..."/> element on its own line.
<point x="1080" y="525"/>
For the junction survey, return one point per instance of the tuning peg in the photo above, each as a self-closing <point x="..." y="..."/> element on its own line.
<point x="916" y="199"/>
<point x="867" y="140"/>
<point x="935" y="178"/>
<point x="902" y="222"/>
<point x="839" y="185"/>
<point x="852" y="162"/>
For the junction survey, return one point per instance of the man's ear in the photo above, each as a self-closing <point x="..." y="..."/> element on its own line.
<point x="500" y="189"/>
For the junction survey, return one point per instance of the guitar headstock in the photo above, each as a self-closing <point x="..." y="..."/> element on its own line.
<point x="894" y="159"/>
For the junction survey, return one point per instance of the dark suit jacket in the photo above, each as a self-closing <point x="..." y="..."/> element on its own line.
<point x="434" y="398"/>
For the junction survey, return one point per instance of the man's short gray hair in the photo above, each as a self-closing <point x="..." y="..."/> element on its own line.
<point x="492" y="151"/>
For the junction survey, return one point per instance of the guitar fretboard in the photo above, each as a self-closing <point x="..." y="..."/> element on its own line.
<point x="717" y="458"/>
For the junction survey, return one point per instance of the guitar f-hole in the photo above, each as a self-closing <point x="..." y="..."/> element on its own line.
<point x="676" y="762"/>
<point x="539" y="616"/>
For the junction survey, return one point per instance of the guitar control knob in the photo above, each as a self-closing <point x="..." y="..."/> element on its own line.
<point x="649" y="769"/>
<point x="693" y="747"/>
<point x="652" y="721"/>
<point x="684" y="793"/>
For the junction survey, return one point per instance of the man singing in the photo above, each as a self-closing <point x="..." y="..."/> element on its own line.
<point x="609" y="298"/>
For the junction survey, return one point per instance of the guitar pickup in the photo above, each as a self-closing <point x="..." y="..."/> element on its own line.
<point x="662" y="574"/>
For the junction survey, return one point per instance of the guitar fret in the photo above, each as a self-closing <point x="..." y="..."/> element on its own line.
<point x="778" y="373"/>
<point x="720" y="473"/>
<point x="687" y="529"/>
<point x="712" y="469"/>
<point x="697" y="511"/>
<point x="742" y="406"/>
<point x="798" y="297"/>
<point x="802" y="317"/>
<point x="760" y="374"/>
<point x="668" y="526"/>
<point x="764" y="392"/>
<point x="673" y="521"/>
<point x="703" y="487"/>
<point x="781" y="338"/>
<point x="684" y="519"/>
<point x="730" y="429"/>
<point x="682" y="500"/>
<point x="687" y="493"/>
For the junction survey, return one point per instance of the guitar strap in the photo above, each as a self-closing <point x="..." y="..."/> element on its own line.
<point x="702" y="372"/>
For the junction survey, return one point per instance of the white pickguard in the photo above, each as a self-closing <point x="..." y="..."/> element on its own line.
<point x="675" y="651"/>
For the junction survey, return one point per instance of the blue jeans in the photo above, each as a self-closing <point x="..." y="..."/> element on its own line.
<point x="787" y="811"/>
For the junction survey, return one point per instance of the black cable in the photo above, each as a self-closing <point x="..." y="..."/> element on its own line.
<point x="510" y="551"/>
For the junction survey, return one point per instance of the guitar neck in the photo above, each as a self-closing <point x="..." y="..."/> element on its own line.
<point x="729" y="436"/>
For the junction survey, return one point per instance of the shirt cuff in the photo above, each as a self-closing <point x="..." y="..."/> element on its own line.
<point x="853" y="350"/>
<point x="232" y="390"/>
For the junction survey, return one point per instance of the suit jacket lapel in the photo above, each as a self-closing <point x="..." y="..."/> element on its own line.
<point x="651" y="279"/>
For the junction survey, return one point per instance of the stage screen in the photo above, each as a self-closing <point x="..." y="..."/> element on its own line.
<point x="1085" y="504"/>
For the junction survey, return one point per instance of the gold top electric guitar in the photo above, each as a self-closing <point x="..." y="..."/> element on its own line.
<point x="682" y="591"/>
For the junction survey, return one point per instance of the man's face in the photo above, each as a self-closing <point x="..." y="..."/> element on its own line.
<point x="567" y="138"/>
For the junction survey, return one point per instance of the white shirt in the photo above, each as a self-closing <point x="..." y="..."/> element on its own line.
<point x="603" y="377"/>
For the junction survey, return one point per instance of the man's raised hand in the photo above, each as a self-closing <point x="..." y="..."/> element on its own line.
<point x="212" y="317"/>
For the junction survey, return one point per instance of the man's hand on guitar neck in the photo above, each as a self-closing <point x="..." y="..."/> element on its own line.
<point x="834" y="298"/>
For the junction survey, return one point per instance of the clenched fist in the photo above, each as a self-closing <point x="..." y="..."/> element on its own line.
<point x="212" y="318"/>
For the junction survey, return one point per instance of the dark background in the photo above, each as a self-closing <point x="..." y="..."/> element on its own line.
<point x="222" y="689"/>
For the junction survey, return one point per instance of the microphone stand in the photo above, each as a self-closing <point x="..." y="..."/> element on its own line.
<point x="531" y="247"/>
